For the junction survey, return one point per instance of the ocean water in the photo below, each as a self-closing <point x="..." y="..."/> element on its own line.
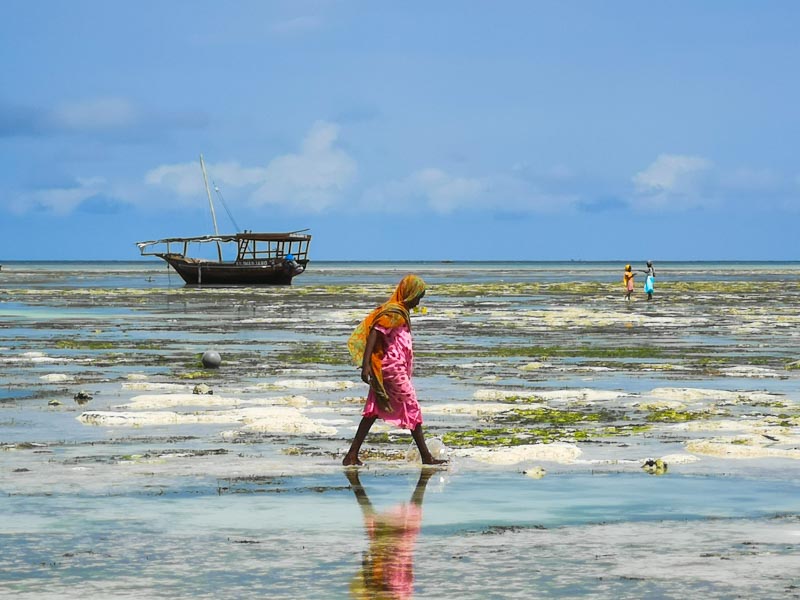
<point x="547" y="391"/>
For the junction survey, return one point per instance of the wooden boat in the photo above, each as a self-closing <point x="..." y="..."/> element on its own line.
<point x="261" y="258"/>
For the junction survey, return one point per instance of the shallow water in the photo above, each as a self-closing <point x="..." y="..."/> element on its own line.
<point x="542" y="366"/>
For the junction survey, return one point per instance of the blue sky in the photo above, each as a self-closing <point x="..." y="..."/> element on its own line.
<point x="528" y="130"/>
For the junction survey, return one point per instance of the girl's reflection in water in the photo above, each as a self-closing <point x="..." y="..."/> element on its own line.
<point x="387" y="568"/>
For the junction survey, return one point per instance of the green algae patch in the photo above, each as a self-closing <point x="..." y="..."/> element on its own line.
<point x="788" y="420"/>
<point x="762" y="360"/>
<point x="131" y="457"/>
<point x="84" y="345"/>
<point x="710" y="366"/>
<point x="655" y="467"/>
<point x="498" y="436"/>
<point x="385" y="438"/>
<point x="171" y="453"/>
<point x="105" y="345"/>
<point x="619" y="430"/>
<point x="582" y="288"/>
<point x="579" y="352"/>
<point x="314" y="354"/>
<point x="670" y="415"/>
<point x="381" y="454"/>
<point x="491" y="437"/>
<point x="728" y="287"/>
<point x="505" y="288"/>
<point x="767" y="403"/>
<point x="473" y="290"/>
<point x="198" y="375"/>
<point x="450" y="351"/>
<point x="709" y="361"/>
<point x="303" y="450"/>
<point x="555" y="417"/>
<point x="543" y="425"/>
<point x="521" y="400"/>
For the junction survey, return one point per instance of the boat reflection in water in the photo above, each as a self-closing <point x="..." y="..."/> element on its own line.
<point x="387" y="567"/>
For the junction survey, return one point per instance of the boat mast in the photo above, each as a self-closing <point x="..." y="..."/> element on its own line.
<point x="211" y="204"/>
<point x="208" y="193"/>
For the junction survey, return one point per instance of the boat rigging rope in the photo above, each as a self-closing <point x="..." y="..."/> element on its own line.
<point x="225" y="206"/>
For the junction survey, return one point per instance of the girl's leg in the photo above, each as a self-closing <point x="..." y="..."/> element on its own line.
<point x="351" y="458"/>
<point x="359" y="491"/>
<point x="422" y="483"/>
<point x="424" y="453"/>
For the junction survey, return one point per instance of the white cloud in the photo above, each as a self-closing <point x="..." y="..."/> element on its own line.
<point x="234" y="175"/>
<point x="61" y="200"/>
<point x="186" y="179"/>
<point x="669" y="172"/>
<point x="313" y="179"/>
<point x="672" y="182"/>
<point x="183" y="179"/>
<point x="428" y="189"/>
<point x="436" y="190"/>
<point x="107" y="118"/>
<point x="448" y="193"/>
<point x="678" y="182"/>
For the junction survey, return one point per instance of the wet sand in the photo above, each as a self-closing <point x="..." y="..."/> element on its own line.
<point x="552" y="397"/>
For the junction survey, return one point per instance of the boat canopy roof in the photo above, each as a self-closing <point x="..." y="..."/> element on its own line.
<point x="290" y="236"/>
<point x="199" y="238"/>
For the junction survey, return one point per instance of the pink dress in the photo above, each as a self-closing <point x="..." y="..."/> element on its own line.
<point x="398" y="365"/>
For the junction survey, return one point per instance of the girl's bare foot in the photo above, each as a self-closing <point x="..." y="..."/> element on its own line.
<point x="351" y="461"/>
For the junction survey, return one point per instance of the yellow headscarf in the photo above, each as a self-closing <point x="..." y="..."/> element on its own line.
<point x="392" y="313"/>
<point x="627" y="274"/>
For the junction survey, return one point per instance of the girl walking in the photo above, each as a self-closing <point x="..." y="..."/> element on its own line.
<point x="382" y="346"/>
<point x="627" y="281"/>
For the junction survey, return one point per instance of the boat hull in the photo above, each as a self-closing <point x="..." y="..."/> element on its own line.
<point x="195" y="272"/>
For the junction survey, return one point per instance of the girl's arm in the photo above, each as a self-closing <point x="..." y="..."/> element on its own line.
<point x="366" y="363"/>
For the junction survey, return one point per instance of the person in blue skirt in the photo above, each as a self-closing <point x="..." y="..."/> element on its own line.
<point x="650" y="279"/>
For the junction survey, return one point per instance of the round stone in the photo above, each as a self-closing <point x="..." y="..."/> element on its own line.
<point x="211" y="359"/>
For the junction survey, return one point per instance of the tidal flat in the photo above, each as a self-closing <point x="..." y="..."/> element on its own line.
<point x="597" y="448"/>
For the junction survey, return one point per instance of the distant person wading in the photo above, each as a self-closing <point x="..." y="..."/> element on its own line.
<point x="650" y="280"/>
<point x="627" y="281"/>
